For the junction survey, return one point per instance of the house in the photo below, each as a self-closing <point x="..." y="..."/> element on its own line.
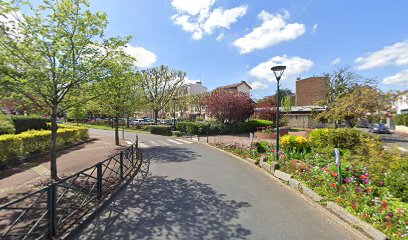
<point x="185" y="106"/>
<point x="240" y="87"/>
<point x="400" y="105"/>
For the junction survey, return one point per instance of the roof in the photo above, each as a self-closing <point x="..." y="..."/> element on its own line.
<point x="235" y="85"/>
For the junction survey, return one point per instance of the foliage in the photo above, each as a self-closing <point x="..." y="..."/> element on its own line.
<point x="161" y="130"/>
<point x="77" y="112"/>
<point x="401" y="119"/>
<point x="266" y="109"/>
<point x="160" y="85"/>
<point x="6" y="125"/>
<point x="343" y="138"/>
<point x="294" y="143"/>
<point x="252" y="125"/>
<point x="24" y="123"/>
<point x="397" y="180"/>
<point x="176" y="133"/>
<point x="19" y="146"/>
<point x="287" y="103"/>
<point x="229" y="106"/>
<point x="53" y="48"/>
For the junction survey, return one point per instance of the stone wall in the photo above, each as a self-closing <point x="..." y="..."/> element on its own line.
<point x="302" y="121"/>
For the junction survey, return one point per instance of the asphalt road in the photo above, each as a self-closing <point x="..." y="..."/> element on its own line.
<point x="190" y="191"/>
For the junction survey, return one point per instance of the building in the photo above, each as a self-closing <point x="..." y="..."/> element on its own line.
<point x="192" y="89"/>
<point x="310" y="90"/>
<point x="400" y="105"/>
<point x="240" y="87"/>
<point x="184" y="107"/>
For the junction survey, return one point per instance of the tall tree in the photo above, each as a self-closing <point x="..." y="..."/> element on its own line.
<point x="120" y="94"/>
<point x="266" y="108"/>
<point x="160" y="86"/>
<point x="54" y="48"/>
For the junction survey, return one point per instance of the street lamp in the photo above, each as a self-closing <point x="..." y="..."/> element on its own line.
<point x="174" y="113"/>
<point x="278" y="72"/>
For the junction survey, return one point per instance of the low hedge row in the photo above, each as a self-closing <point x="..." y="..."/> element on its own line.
<point x="19" y="146"/>
<point x="161" y="130"/>
<point x="343" y="138"/>
<point x="24" y="123"/>
<point x="6" y="125"/>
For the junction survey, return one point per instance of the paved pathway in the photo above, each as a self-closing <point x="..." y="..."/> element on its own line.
<point x="25" y="178"/>
<point x="190" y="191"/>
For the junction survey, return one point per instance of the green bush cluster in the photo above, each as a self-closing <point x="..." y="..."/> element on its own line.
<point x="251" y="125"/>
<point x="6" y="125"/>
<point x="397" y="181"/>
<point x="19" y="146"/>
<point x="295" y="143"/>
<point x="177" y="133"/>
<point x="344" y="138"/>
<point x="161" y="130"/>
<point x="24" y="123"/>
<point x="401" y="119"/>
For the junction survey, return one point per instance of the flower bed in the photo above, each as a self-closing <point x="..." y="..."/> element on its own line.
<point x="373" y="180"/>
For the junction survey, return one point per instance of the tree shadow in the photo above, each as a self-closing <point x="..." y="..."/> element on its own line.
<point x="153" y="207"/>
<point x="163" y="154"/>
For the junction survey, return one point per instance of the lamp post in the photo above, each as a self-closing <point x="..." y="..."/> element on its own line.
<point x="278" y="72"/>
<point x="174" y="113"/>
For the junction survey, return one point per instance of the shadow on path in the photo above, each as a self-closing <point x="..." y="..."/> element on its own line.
<point x="156" y="207"/>
<point x="162" y="154"/>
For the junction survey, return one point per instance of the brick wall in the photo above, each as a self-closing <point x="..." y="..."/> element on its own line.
<point x="310" y="90"/>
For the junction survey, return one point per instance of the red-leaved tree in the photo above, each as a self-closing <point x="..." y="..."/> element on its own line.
<point x="229" y="106"/>
<point x="266" y="109"/>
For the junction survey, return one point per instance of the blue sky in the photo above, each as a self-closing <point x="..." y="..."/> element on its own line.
<point x="225" y="41"/>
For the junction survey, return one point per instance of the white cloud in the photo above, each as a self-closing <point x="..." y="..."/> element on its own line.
<point x="223" y="19"/>
<point x="336" y="61"/>
<point x="396" y="54"/>
<point x="273" y="30"/>
<point x="220" y="37"/>
<point x="315" y="27"/>
<point x="198" y="18"/>
<point x="294" y="67"/>
<point x="144" y="57"/>
<point x="192" y="7"/>
<point x="258" y="85"/>
<point x="397" y="79"/>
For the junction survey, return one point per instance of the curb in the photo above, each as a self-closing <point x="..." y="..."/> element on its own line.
<point x="315" y="199"/>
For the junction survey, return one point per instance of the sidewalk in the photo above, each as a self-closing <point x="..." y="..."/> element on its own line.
<point x="33" y="175"/>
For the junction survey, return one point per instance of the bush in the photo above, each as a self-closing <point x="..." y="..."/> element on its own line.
<point x="25" y="123"/>
<point x="401" y="119"/>
<point x="344" y="138"/>
<point x="294" y="143"/>
<point x="252" y="125"/>
<point x="262" y="147"/>
<point x="161" y="130"/>
<point x="177" y="133"/>
<point x="397" y="181"/>
<point x="15" y="147"/>
<point x="6" y="125"/>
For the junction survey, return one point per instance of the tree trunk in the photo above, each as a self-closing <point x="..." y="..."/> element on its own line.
<point x="116" y="131"/>
<point x="54" y="128"/>
<point x="127" y="121"/>
<point x="156" y="112"/>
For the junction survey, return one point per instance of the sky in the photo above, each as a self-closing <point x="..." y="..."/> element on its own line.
<point x="222" y="42"/>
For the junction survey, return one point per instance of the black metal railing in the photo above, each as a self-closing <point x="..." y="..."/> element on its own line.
<point x="54" y="209"/>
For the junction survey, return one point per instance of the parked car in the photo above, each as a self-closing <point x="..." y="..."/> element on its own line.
<point x="138" y="121"/>
<point x="363" y="125"/>
<point x="379" y="128"/>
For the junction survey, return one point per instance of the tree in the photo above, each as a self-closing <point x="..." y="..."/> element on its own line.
<point x="229" y="106"/>
<point x="198" y="101"/>
<point x="287" y="103"/>
<point x="120" y="94"/>
<point x="266" y="109"/>
<point x="341" y="82"/>
<point x="362" y="102"/>
<point x="56" y="48"/>
<point x="160" y="85"/>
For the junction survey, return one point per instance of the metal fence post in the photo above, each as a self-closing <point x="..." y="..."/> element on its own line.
<point x="99" y="179"/>
<point x="52" y="210"/>
<point x="121" y="165"/>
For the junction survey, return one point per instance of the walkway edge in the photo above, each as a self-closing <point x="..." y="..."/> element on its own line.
<point x="360" y="233"/>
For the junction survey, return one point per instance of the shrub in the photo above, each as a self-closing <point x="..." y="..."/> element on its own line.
<point x="401" y="119"/>
<point x="262" y="147"/>
<point x="6" y="125"/>
<point x="177" y="133"/>
<point x="161" y="130"/>
<point x="252" y="125"/>
<point x="294" y="143"/>
<point x="397" y="181"/>
<point x="25" y="123"/>
<point x="193" y="127"/>
<point x="15" y="147"/>
<point x="344" y="138"/>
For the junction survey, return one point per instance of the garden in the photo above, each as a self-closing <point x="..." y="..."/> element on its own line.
<point x="24" y="136"/>
<point x="373" y="179"/>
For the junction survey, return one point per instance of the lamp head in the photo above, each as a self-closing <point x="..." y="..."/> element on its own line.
<point x="278" y="71"/>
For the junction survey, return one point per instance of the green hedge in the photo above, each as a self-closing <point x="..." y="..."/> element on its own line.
<point x="161" y="130"/>
<point x="16" y="147"/>
<point x="24" y="123"/>
<point x="401" y="119"/>
<point x="6" y="125"/>
<point x="344" y="138"/>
